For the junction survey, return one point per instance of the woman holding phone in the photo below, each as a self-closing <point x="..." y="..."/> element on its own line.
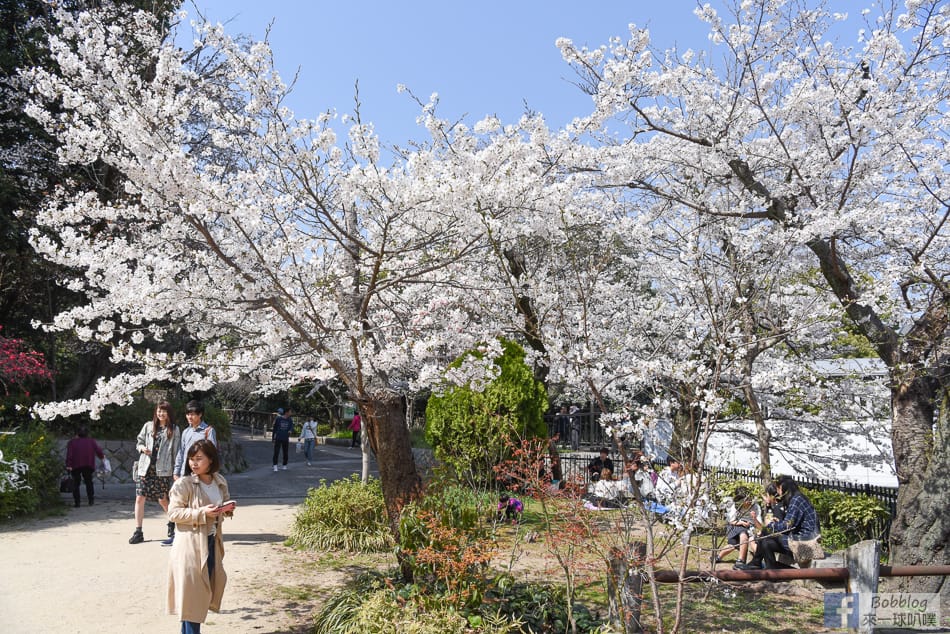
<point x="197" y="505"/>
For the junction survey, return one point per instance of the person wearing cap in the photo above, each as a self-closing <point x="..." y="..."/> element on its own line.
<point x="197" y="430"/>
<point x="280" y="434"/>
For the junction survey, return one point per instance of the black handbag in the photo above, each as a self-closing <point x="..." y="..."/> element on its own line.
<point x="67" y="484"/>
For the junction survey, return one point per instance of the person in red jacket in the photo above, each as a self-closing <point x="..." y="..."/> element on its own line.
<point x="355" y="426"/>
<point x="81" y="454"/>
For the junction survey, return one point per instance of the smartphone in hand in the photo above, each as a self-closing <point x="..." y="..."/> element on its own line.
<point x="226" y="507"/>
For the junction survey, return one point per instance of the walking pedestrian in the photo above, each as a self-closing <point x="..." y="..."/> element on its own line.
<point x="157" y="444"/>
<point x="196" y="577"/>
<point x="308" y="434"/>
<point x="280" y="434"/>
<point x="355" y="426"/>
<point x="197" y="430"/>
<point x="81" y="454"/>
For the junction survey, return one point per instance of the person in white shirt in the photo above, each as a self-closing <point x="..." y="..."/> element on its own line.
<point x="671" y="485"/>
<point x="308" y="434"/>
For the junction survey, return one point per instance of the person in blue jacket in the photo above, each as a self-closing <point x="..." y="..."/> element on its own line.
<point x="280" y="434"/>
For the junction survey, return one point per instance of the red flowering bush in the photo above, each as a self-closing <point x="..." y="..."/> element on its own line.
<point x="19" y="365"/>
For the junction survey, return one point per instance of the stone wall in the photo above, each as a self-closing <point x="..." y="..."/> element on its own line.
<point x="122" y="454"/>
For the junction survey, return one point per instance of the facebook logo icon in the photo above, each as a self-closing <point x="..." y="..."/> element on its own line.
<point x="841" y="610"/>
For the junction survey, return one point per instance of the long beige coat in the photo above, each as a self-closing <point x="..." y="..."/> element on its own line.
<point x="190" y="593"/>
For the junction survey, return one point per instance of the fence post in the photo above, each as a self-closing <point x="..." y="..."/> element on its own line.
<point x="625" y="587"/>
<point x="863" y="560"/>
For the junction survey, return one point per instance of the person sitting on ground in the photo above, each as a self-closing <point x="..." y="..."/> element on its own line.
<point x="772" y="508"/>
<point x="740" y="525"/>
<point x="509" y="508"/>
<point x="800" y="524"/>
<point x="671" y="485"/>
<point x="598" y="464"/>
<point x="638" y="476"/>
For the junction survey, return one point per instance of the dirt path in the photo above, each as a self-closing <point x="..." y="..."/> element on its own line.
<point x="77" y="573"/>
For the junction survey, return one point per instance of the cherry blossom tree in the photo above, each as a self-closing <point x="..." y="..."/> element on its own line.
<point x="843" y="149"/>
<point x="285" y="255"/>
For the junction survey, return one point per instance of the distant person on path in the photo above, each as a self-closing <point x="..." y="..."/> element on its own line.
<point x="197" y="430"/>
<point x="308" y="434"/>
<point x="280" y="434"/>
<point x="81" y="453"/>
<point x="355" y="426"/>
<point x="157" y="444"/>
<point x="196" y="578"/>
<point x="561" y="423"/>
<point x="574" y="422"/>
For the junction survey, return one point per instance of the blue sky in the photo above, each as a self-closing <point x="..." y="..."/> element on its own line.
<point x="486" y="57"/>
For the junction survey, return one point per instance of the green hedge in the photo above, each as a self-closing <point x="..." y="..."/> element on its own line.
<point x="847" y="519"/>
<point x="34" y="446"/>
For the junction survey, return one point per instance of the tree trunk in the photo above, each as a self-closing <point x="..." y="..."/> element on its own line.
<point x="624" y="587"/>
<point x="384" y="425"/>
<point x="762" y="434"/>
<point x="685" y="428"/>
<point x="920" y="530"/>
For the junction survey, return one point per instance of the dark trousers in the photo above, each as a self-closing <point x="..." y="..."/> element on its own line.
<point x="766" y="550"/>
<point x="86" y="474"/>
<point x="278" y="446"/>
<point x="355" y="442"/>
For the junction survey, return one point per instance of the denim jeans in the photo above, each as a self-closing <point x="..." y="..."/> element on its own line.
<point x="308" y="448"/>
<point x="189" y="627"/>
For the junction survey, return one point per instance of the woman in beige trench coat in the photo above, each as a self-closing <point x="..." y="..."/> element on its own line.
<point x="196" y="578"/>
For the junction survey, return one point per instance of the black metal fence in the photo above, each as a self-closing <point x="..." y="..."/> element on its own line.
<point x="576" y="464"/>
<point x="580" y="430"/>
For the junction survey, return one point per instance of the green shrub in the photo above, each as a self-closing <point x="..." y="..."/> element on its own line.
<point x="846" y="519"/>
<point x="324" y="429"/>
<point x="34" y="446"/>
<point x="472" y="429"/>
<point x="444" y="537"/>
<point x="345" y="515"/>
<point x="377" y="604"/>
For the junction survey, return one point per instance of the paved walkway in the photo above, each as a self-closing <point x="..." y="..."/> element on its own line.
<point x="76" y="573"/>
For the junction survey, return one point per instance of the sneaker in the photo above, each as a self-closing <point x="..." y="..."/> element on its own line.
<point x="275" y="468"/>
<point x="749" y="566"/>
<point x="137" y="537"/>
<point x="284" y="468"/>
<point x="168" y="542"/>
<point x="308" y="463"/>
